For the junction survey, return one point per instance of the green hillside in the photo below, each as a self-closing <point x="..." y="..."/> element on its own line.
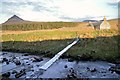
<point x="38" y="25"/>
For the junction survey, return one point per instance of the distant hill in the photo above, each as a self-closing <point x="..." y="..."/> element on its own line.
<point x="14" y="19"/>
<point x="90" y="21"/>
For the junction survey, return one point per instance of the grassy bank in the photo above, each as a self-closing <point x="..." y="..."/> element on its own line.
<point x="98" y="48"/>
<point x="56" y="34"/>
<point x="47" y="48"/>
<point x="39" y="36"/>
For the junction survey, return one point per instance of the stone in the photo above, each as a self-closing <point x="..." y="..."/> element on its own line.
<point x="25" y="54"/>
<point x="65" y="66"/>
<point x="5" y="59"/>
<point x="22" y="72"/>
<point x="6" y="75"/>
<point x="7" y="62"/>
<point x="37" y="59"/>
<point x="18" y="63"/>
<point x="115" y="69"/>
<point x="70" y="60"/>
<point x="94" y="70"/>
<point x="14" y="71"/>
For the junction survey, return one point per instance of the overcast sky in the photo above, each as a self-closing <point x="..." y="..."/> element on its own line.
<point x="58" y="10"/>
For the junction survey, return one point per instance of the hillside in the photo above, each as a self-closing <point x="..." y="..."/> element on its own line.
<point x="114" y="23"/>
<point x="90" y="21"/>
<point x="15" y="23"/>
<point x="14" y="19"/>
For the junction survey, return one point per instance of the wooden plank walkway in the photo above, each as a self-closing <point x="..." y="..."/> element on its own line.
<point x="51" y="61"/>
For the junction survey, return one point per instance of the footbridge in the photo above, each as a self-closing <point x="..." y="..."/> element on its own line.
<point x="54" y="59"/>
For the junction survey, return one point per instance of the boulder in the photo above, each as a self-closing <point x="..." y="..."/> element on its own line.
<point x="37" y="59"/>
<point x="65" y="66"/>
<point x="72" y="74"/>
<point x="7" y="62"/>
<point x="14" y="71"/>
<point x="22" y="72"/>
<point x="5" y="59"/>
<point x="70" y="60"/>
<point x="115" y="69"/>
<point x="26" y="54"/>
<point x="6" y="75"/>
<point x="17" y="62"/>
<point x="93" y="70"/>
<point x="4" y="53"/>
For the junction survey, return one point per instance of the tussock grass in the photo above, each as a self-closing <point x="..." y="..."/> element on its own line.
<point x="37" y="48"/>
<point x="105" y="48"/>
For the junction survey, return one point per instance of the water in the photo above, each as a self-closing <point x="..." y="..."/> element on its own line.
<point x="83" y="69"/>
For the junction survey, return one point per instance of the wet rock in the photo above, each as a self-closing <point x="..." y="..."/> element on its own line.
<point x="104" y="75"/>
<point x="7" y="62"/>
<point x="32" y="70"/>
<point x="94" y="70"/>
<point x="37" y="65"/>
<point x="22" y="72"/>
<point x="17" y="62"/>
<point x="72" y="74"/>
<point x="28" y="64"/>
<point x="88" y="69"/>
<point x="6" y="75"/>
<point x="115" y="69"/>
<point x="5" y="59"/>
<point x="103" y="72"/>
<point x="26" y="54"/>
<point x="14" y="71"/>
<point x="41" y="71"/>
<point x="37" y="59"/>
<point x="70" y="60"/>
<point x="13" y="57"/>
<point x="65" y="66"/>
<point x="1" y="61"/>
<point x="4" y="53"/>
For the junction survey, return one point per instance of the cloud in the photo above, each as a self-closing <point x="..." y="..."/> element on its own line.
<point x="59" y="10"/>
<point x="82" y="19"/>
<point x="113" y="3"/>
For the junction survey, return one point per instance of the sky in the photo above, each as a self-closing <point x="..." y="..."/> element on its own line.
<point x="59" y="10"/>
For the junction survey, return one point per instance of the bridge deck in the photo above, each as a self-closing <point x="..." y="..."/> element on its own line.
<point x="51" y="61"/>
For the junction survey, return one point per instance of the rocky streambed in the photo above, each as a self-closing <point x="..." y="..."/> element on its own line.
<point x="16" y="65"/>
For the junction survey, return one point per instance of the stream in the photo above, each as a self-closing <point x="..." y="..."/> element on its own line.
<point x="60" y="69"/>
